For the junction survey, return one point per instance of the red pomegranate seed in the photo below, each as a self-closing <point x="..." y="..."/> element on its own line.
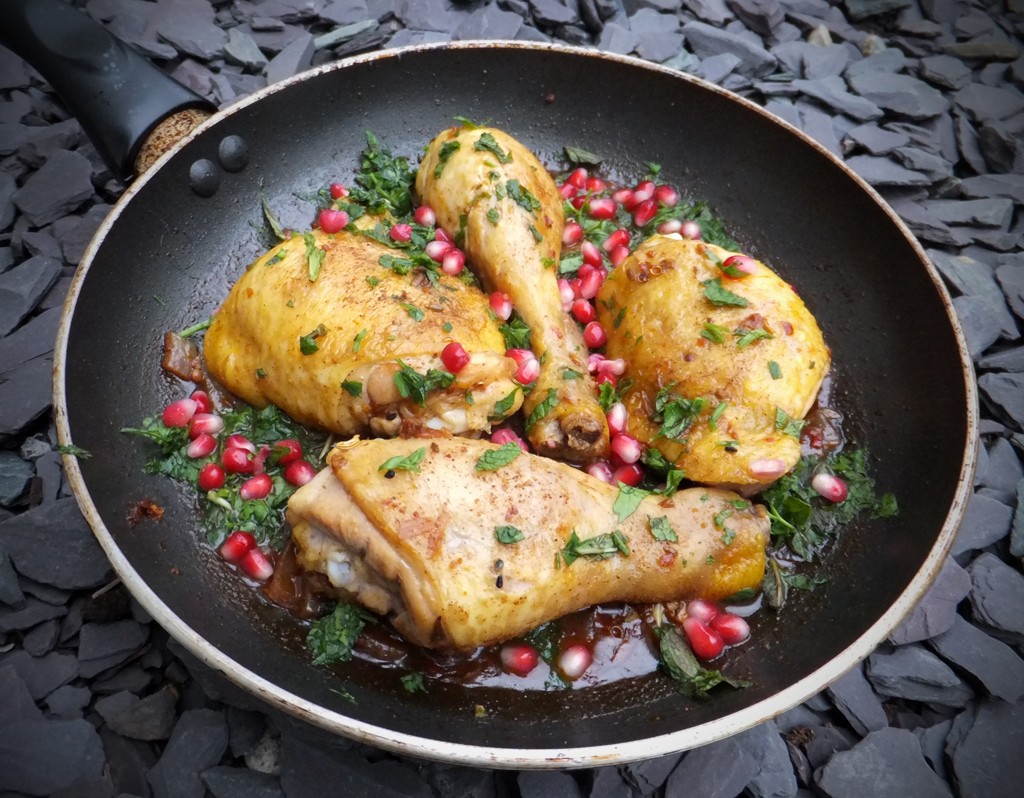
<point x="690" y="230"/>
<point x="740" y="263"/>
<point x="626" y="448"/>
<point x="332" y="221"/>
<point x="594" y="361"/>
<point x="595" y="185"/>
<point x="286" y="451"/>
<point x="574" y="284"/>
<point x="667" y="196"/>
<point x="644" y="191"/>
<point x="602" y="471"/>
<point x="453" y="262"/>
<point x="440" y="234"/>
<point x="237" y="545"/>
<point x="528" y="371"/>
<point x="574" y="661"/>
<point x="578" y="179"/>
<point x="454" y="357"/>
<point x="731" y="628"/>
<point x="591" y="279"/>
<point x="701" y="610"/>
<point x="255" y="564"/>
<point x="619" y="254"/>
<point x="767" y="468"/>
<point x="257" y="487"/>
<point x="624" y="196"/>
<point x="424" y="215"/>
<point x="178" y="414"/>
<point x="338" y="190"/>
<point x="237" y="461"/>
<point x="670" y="226"/>
<point x="603" y="208"/>
<point x="567" y="191"/>
<point x="566" y="293"/>
<point x="211" y="477"/>
<point x="594" y="335"/>
<point x="237" y="441"/>
<point x="401" y="232"/>
<point x="520" y="356"/>
<point x="606" y="376"/>
<point x="583" y="311"/>
<point x="204" y="404"/>
<point x="830" y="487"/>
<point x="705" y="641"/>
<point x="616" y="238"/>
<point x="616" y="366"/>
<point x="578" y="201"/>
<point x="644" y="213"/>
<point x="501" y="305"/>
<point x="260" y="459"/>
<point x="519" y="658"/>
<point x="506" y="435"/>
<point x="591" y="254"/>
<point x="299" y="472"/>
<point x="202" y="446"/>
<point x="630" y="474"/>
<point x="617" y="419"/>
<point x="205" y="424"/>
<point x="572" y="234"/>
<point x="437" y="249"/>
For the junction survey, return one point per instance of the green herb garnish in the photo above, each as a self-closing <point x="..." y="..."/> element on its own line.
<point x="546" y="405"/>
<point x="599" y="547"/>
<point x="357" y="342"/>
<point x="661" y="529"/>
<point x="332" y="638"/>
<point x="411" y="462"/>
<point x="352" y="387"/>
<point x="775" y="370"/>
<point x="412" y="384"/>
<point x="503" y="406"/>
<point x="515" y="332"/>
<point x="314" y="257"/>
<point x="627" y="500"/>
<point x="308" y="344"/>
<point x="675" y="413"/>
<point x="493" y="459"/>
<point x="747" y="337"/>
<point x="508" y="534"/>
<point x="446" y="152"/>
<point x="788" y="425"/>
<point x="679" y="661"/>
<point x="384" y="182"/>
<point x="487" y="143"/>
<point x="721" y="296"/>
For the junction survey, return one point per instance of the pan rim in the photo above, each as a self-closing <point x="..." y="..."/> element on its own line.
<point x="516" y="758"/>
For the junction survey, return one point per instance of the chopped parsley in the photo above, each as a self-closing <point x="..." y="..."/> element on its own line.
<point x="661" y="529"/>
<point x="719" y="295"/>
<point x="314" y="256"/>
<point x="412" y="384"/>
<point x="384" y="182"/>
<point x="788" y="425"/>
<point x="357" y="342"/>
<point x="515" y="332"/>
<point x="747" y="337"/>
<point x="546" y="405"/>
<point x="410" y="462"/>
<point x="536" y="234"/>
<point x="580" y="157"/>
<point x="508" y="534"/>
<point x="775" y="370"/>
<point x="599" y="547"/>
<point x="503" y="406"/>
<point x="446" y="152"/>
<point x="609" y="394"/>
<point x="414" y="312"/>
<point x="522" y="196"/>
<point x="352" y="387"/>
<point x="74" y="451"/>
<point x="494" y="216"/>
<point x="680" y="663"/>
<point x="493" y="459"/>
<point x="332" y="638"/>
<point x="415" y="682"/>
<point x="373" y="281"/>
<point x="716" y="415"/>
<point x="571" y="374"/>
<point x="487" y="143"/>
<point x="675" y="413"/>
<point x="308" y="344"/>
<point x="627" y="500"/>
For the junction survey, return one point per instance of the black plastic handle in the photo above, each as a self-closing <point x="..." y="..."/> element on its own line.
<point x="116" y="94"/>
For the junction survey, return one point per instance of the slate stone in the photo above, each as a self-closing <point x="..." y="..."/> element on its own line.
<point x="926" y="226"/>
<point x="882" y="172"/>
<point x="826" y="742"/>
<point x="876" y="140"/>
<point x="234" y="782"/>
<point x="914" y="673"/>
<point x="649" y="775"/>
<point x="935" y="613"/>
<point x="467" y="782"/>
<point x="31" y="612"/>
<point x="761" y="16"/>
<point x="968" y="143"/>
<point x="659" y="46"/>
<point x="706" y="41"/>
<point x="15" y="474"/>
<point x="344" y="33"/>
<point x="997" y="594"/>
<point x="245" y="729"/>
<point x="989" y="102"/>
<point x="997" y="666"/>
<point x="717" y="770"/>
<point x="774" y="777"/>
<point x="198" y="742"/>
<point x="62" y="184"/>
<point x="293" y="59"/>
<point x="858" y="10"/>
<point x="8" y="188"/>
<point x="986" y="759"/>
<point x="717" y="67"/>
<point x="149" y="718"/>
<point x="241" y="49"/>
<point x="822" y="61"/>
<point x="16" y="703"/>
<point x="899" y="94"/>
<point x="188" y="26"/>
<point x="10" y="590"/>
<point x="608" y="782"/>
<point x="42" y="675"/>
<point x="542" y="783"/>
<point x="945" y="71"/>
<point x="1004" y="391"/>
<point x="1004" y="360"/>
<point x="550" y="13"/>
<point x="1005" y="471"/>
<point x="432" y="15"/>
<point x="993" y="212"/>
<point x="617" y="39"/>
<point x="858" y="702"/>
<point x="715" y="12"/>
<point x="832" y="92"/>
<point x="68" y="702"/>
<point x="43" y="756"/>
<point x="1017" y="530"/>
<point x="886" y="762"/>
<point x="25" y="395"/>
<point x="934" y="167"/>
<point x="22" y="287"/>
<point x="1000" y="146"/>
<point x="133" y="678"/>
<point x="986" y="521"/>
<point x="105" y="645"/>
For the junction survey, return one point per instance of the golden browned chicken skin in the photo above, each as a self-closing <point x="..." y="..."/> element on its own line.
<point x="327" y="350"/>
<point x="424" y="547"/>
<point x="753" y="358"/>
<point x="508" y="212"/>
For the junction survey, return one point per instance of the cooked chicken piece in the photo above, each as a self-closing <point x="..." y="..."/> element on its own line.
<point x="327" y="350"/>
<point x="725" y="365"/>
<point x="489" y="187"/>
<point x="457" y="556"/>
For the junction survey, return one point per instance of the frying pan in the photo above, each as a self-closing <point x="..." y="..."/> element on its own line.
<point x="166" y="256"/>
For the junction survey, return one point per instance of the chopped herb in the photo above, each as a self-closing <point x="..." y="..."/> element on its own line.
<point x="493" y="459"/>
<point x="571" y="374"/>
<point x="446" y="152"/>
<point x="412" y="384"/>
<point x="627" y="500"/>
<point x="718" y="295"/>
<point x="308" y="344"/>
<point x="466" y="122"/>
<point x="653" y="169"/>
<point x="332" y="637"/>
<point x="487" y="143"/>
<point x="515" y="332"/>
<point x="384" y="182"/>
<point x="353" y="387"/>
<point x="580" y="157"/>
<point x="188" y="332"/>
<point x="716" y="415"/>
<point x="536" y="234"/>
<point x="493" y="215"/>
<point x="415" y="682"/>
<point x="268" y="214"/>
<point x="410" y="462"/>
<point x="522" y="196"/>
<point x="599" y="547"/>
<point x="570" y="264"/>
<point x="719" y="519"/>
<point x="277" y="258"/>
<point x="414" y="312"/>
<point x="546" y="405"/>
<point x="661" y="529"/>
<point x="619" y="317"/>
<point x="508" y="534"/>
<point x="357" y="342"/>
<point x="788" y="425"/>
<point x="314" y="256"/>
<point x="503" y="406"/>
<point x="675" y="413"/>
<point x="447" y="326"/>
<point x="373" y="281"/>
<point x="747" y="337"/>
<point x="74" y="451"/>
<point x="714" y="333"/>
<point x="775" y="370"/>
<point x="609" y="394"/>
<point x="678" y="659"/>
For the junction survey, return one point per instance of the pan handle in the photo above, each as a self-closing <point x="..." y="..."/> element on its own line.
<point x="117" y="95"/>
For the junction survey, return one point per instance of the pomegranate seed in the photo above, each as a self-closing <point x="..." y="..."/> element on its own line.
<point x="255" y="564"/>
<point x="261" y="458"/>
<point x="615" y="239"/>
<point x="615" y="366"/>
<point x="506" y="435"/>
<point x="440" y="234"/>
<point x="618" y="255"/>
<point x="454" y="357"/>
<point x="595" y="185"/>
<point x="667" y="196"/>
<point x="299" y="472"/>
<point x="617" y="418"/>
<point x="670" y="226"/>
<point x="205" y="424"/>
<point x="574" y="661"/>
<point x="644" y="213"/>
<point x="690" y="230"/>
<point x="583" y="311"/>
<point x="594" y="361"/>
<point x="626" y="448"/>
<point x="519" y="658"/>
<point x="578" y="179"/>
<point x="202" y="446"/>
<point x="211" y="477"/>
<point x="591" y="254"/>
<point x="594" y="335"/>
<point x="741" y="263"/>
<point x="606" y="376"/>
<point x="236" y="461"/>
<point x="701" y="610"/>
<point x="501" y="305"/>
<point x="630" y="474"/>
<point x="424" y="215"/>
<point x="237" y="441"/>
<point x="574" y="284"/>
<point x="338" y="191"/>
<point x="566" y="293"/>
<point x="602" y="471"/>
<point x="286" y="451"/>
<point x="332" y="221"/>
<point x="453" y="262"/>
<point x="237" y="545"/>
<point x="567" y="191"/>
<point x="705" y="641"/>
<point x="830" y="487"/>
<point x="437" y="249"/>
<point x="767" y="468"/>
<point x="578" y="201"/>
<point x="603" y="208"/>
<point x="624" y="196"/>
<point x="644" y="191"/>
<point x="528" y="371"/>
<point x="572" y="234"/>
<point x="257" y="487"/>
<point x="204" y="404"/>
<point x="731" y="628"/>
<point x="591" y="279"/>
<point x="178" y="414"/>
<point x="401" y="232"/>
<point x="520" y="356"/>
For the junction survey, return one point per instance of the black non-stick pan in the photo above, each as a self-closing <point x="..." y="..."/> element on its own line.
<point x="166" y="257"/>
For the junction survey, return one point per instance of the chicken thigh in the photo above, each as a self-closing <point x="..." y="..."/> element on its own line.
<point x="725" y="359"/>
<point x="352" y="347"/>
<point x="507" y="212"/>
<point x="460" y="552"/>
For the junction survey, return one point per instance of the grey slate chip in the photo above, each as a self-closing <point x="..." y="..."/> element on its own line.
<point x="945" y="71"/>
<point x="1004" y="473"/>
<point x="551" y="13"/>
<point x="67" y="702"/>
<point x="936" y="611"/>
<point x="22" y="287"/>
<point x="294" y="58"/>
<point x="715" y="12"/>
<point x="241" y="49"/>
<point x="987" y="758"/>
<point x="717" y="770"/>
<point x="15" y="473"/>
<point x="858" y="702"/>
<point x="822" y="61"/>
<point x="31" y="612"/>
<point x="1006" y="393"/>
<point x="916" y="674"/>
<point x="993" y="663"/>
<point x="926" y="226"/>
<point x="10" y="590"/>
<point x="706" y="41"/>
<point x="103" y="645"/>
<point x="43" y="756"/>
<point x="542" y="783"/>
<point x="832" y="92"/>
<point x="986" y="521"/>
<point x="934" y="167"/>
<point x="427" y="15"/>
<point x="993" y="212"/>
<point x="876" y="140"/>
<point x="149" y="718"/>
<point x="899" y="94"/>
<point x="997" y="594"/>
<point x="826" y="742"/>
<point x="60" y="186"/>
<point x="774" y="777"/>
<point x="864" y="9"/>
<point x="761" y="16"/>
<point x="8" y="187"/>
<point x="25" y="395"/>
<point x="649" y="775"/>
<point x="989" y="102"/>
<point x="1001" y="147"/>
<point x="886" y="762"/>
<point x="233" y="782"/>
<point x="42" y="675"/>
<point x="616" y="39"/>
<point x="198" y="742"/>
<point x="16" y="703"/>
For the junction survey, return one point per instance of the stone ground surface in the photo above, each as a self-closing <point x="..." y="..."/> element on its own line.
<point x="923" y="98"/>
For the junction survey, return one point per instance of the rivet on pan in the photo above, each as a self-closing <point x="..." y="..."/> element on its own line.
<point x="204" y="177"/>
<point x="233" y="152"/>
